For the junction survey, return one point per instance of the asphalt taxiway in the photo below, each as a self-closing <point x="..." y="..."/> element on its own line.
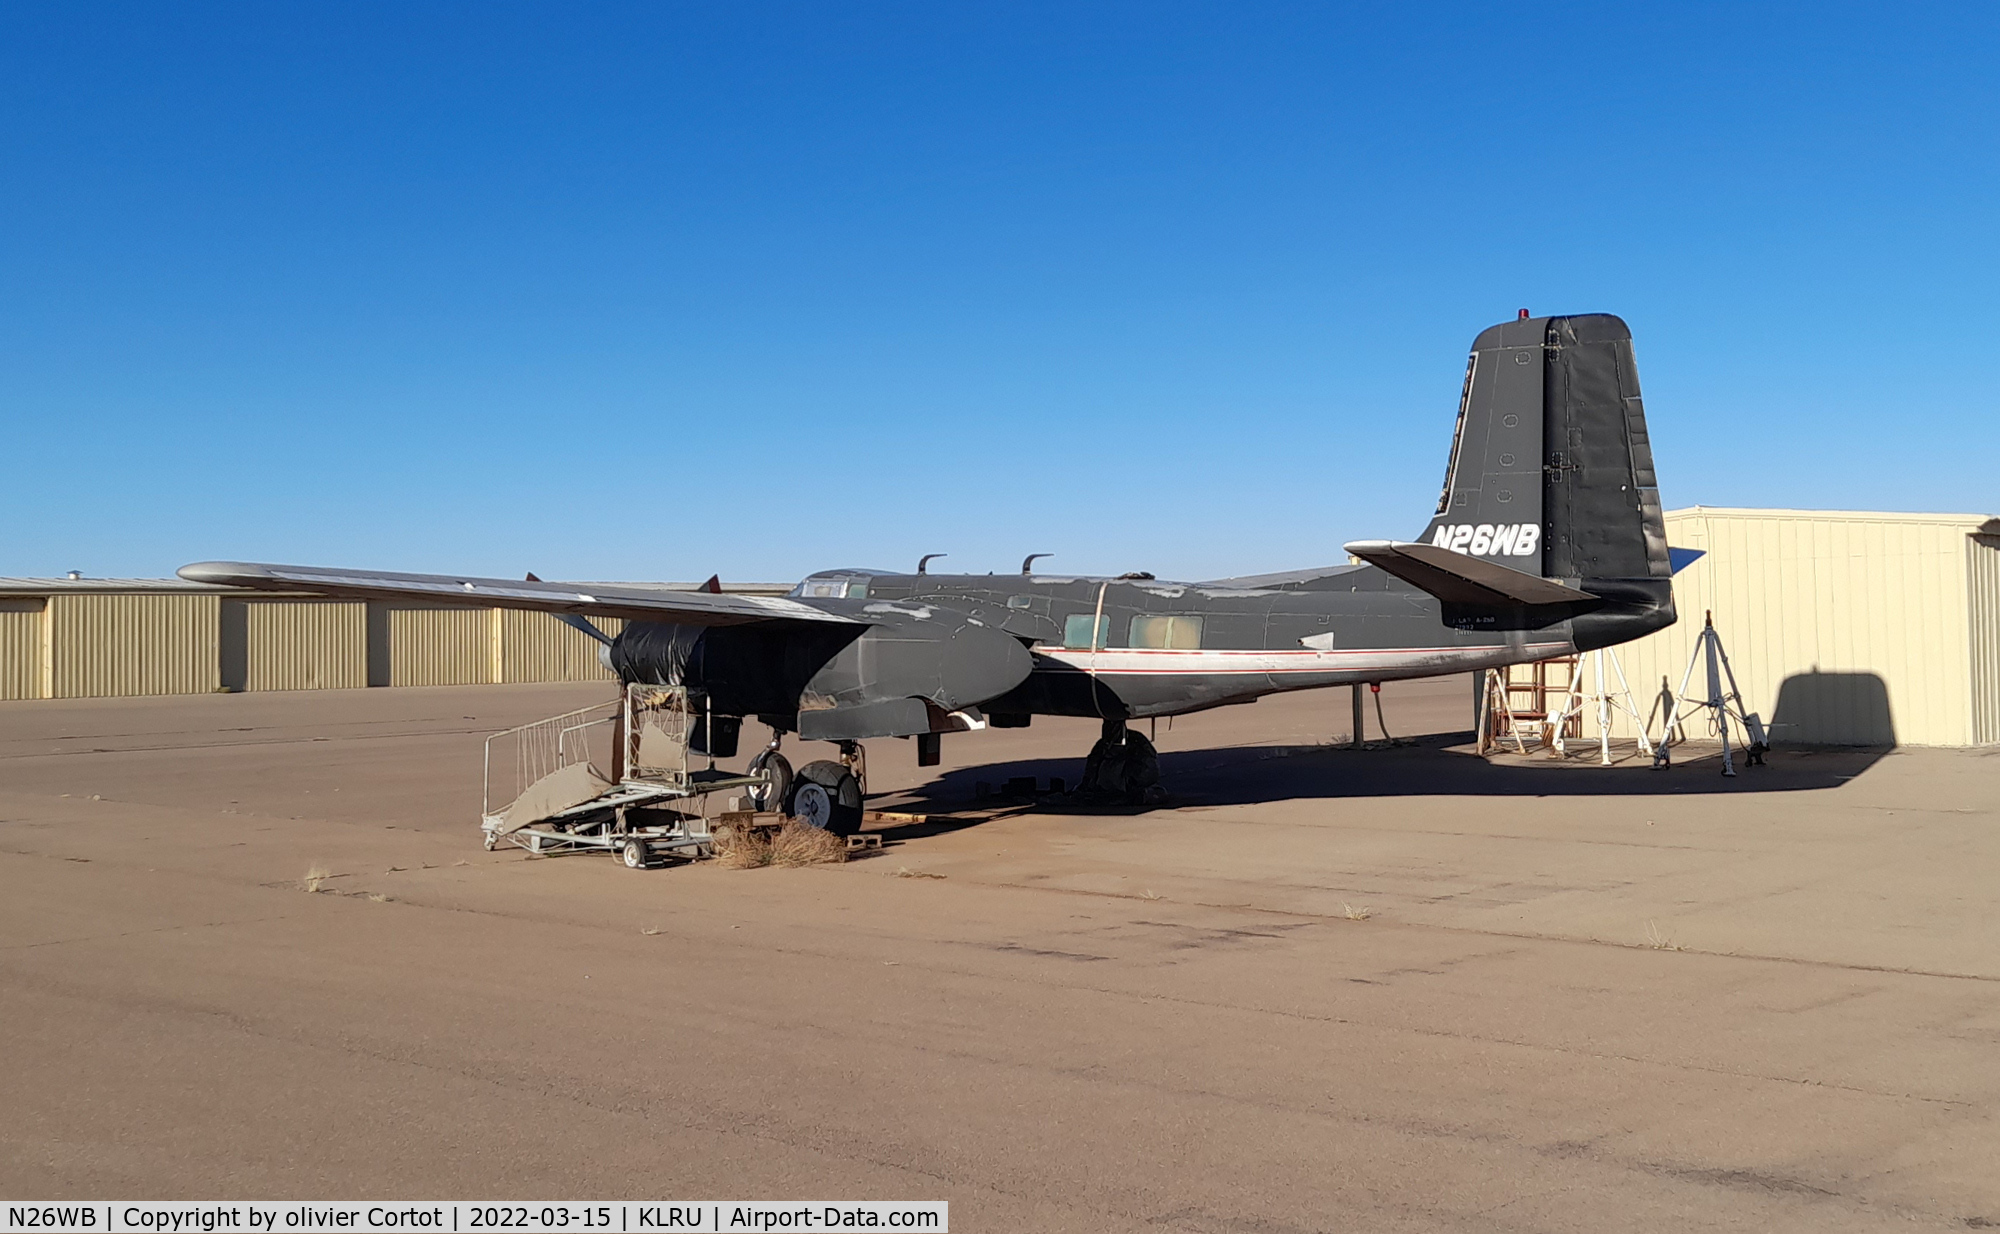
<point x="1392" y="989"/>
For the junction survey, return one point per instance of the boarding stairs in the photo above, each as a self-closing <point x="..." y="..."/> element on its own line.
<point x="617" y="776"/>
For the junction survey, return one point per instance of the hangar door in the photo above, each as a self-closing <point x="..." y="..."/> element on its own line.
<point x="1983" y="588"/>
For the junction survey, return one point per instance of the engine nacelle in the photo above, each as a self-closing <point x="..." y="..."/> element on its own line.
<point x="902" y="675"/>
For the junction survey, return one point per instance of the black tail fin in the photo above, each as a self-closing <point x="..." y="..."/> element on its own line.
<point x="1552" y="470"/>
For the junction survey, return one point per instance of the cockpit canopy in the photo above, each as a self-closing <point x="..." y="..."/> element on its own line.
<point x="835" y="585"/>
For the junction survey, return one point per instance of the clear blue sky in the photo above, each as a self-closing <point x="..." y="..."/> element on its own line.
<point x="651" y="291"/>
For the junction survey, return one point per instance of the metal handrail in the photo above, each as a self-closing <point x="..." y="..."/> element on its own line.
<point x="663" y="709"/>
<point x="542" y="747"/>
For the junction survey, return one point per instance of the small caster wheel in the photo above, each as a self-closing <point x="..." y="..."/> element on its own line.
<point x="492" y="841"/>
<point x="635" y="854"/>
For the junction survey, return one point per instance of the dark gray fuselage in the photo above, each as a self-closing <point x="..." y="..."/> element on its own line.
<point x="1229" y="643"/>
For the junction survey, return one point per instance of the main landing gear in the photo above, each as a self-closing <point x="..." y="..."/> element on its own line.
<point x="825" y="793"/>
<point x="1123" y="769"/>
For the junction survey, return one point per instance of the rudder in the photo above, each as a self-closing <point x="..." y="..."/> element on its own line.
<point x="1600" y="498"/>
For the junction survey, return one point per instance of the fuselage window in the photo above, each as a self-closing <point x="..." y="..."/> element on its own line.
<point x="1173" y="633"/>
<point x="858" y="589"/>
<point x="1076" y="631"/>
<point x="1020" y="601"/>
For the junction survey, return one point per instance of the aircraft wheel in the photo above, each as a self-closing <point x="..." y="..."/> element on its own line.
<point x="827" y="795"/>
<point x="775" y="795"/>
<point x="492" y="841"/>
<point x="635" y="854"/>
<point x="812" y="804"/>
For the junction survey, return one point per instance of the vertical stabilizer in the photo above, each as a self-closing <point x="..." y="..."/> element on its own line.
<point x="1551" y="474"/>
<point x="1491" y="506"/>
<point x="1551" y="469"/>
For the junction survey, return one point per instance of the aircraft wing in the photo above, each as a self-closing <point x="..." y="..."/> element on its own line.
<point x="1457" y="578"/>
<point x="695" y="608"/>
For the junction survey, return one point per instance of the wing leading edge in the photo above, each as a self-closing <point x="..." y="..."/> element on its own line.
<point x="695" y="608"/>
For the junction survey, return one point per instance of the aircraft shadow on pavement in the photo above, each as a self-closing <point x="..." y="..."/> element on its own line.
<point x="1426" y="767"/>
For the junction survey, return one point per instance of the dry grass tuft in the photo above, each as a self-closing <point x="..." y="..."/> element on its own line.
<point x="1356" y="914"/>
<point x="741" y="848"/>
<point x="315" y="875"/>
<point x="648" y="931"/>
<point x="798" y="844"/>
<point x="1659" y="940"/>
<point x="378" y="899"/>
<point x="907" y="872"/>
<point x="794" y="844"/>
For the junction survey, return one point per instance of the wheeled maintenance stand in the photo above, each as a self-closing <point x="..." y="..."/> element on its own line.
<point x="545" y="793"/>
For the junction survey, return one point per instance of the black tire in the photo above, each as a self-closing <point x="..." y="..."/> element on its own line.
<point x="778" y="795"/>
<point x="635" y="854"/>
<point x="836" y="805"/>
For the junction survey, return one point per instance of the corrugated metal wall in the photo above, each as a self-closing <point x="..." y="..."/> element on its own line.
<point x="1982" y="576"/>
<point x="537" y="647"/>
<point x="305" y="644"/>
<point x="21" y="661"/>
<point x="1842" y="629"/>
<point x="97" y="640"/>
<point x="431" y="646"/>
<point x="134" y="644"/>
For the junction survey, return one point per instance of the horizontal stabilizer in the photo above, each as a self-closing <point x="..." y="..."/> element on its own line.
<point x="1456" y="578"/>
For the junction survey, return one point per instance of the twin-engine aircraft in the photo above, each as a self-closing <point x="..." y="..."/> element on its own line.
<point x="1548" y="539"/>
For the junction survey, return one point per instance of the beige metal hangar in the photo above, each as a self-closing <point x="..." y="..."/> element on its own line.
<point x="83" y="638"/>
<point x="1844" y="628"/>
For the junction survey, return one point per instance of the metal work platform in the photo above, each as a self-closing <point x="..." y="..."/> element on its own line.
<point x="614" y="777"/>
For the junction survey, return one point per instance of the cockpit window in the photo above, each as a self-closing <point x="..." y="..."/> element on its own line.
<point x="836" y="588"/>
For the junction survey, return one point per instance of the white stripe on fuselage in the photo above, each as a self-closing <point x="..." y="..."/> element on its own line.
<point x="1210" y="662"/>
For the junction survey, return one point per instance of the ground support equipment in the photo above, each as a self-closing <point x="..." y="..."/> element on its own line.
<point x="547" y="794"/>
<point x="1723" y="706"/>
